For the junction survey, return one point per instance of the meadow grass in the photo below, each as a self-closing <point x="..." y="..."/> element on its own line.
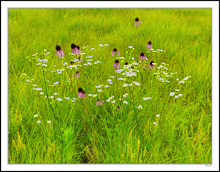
<point x="80" y="131"/>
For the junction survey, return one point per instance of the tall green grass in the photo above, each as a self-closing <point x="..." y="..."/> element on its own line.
<point x="80" y="131"/>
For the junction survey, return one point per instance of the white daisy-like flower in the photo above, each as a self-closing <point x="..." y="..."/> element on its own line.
<point x="108" y="100"/>
<point x="89" y="95"/>
<point x="59" y="99"/>
<point x="44" y="65"/>
<point x="177" y="89"/>
<point x="146" y="98"/>
<point x="140" y="107"/>
<point x="45" y="96"/>
<point x="134" y="63"/>
<point x="51" y="97"/>
<point x="99" y="90"/>
<point x="41" y="93"/>
<point x="130" y="46"/>
<point x="158" y="115"/>
<point x="125" y="102"/>
<point x="125" y="95"/>
<point x="181" y="81"/>
<point x="186" y="78"/>
<point x="177" y="79"/>
<point x="38" y="122"/>
<point x="113" y="101"/>
<point x="37" y="89"/>
<point x="34" y="85"/>
<point x="118" y="71"/>
<point x="36" y="115"/>
<point x="121" y="79"/>
<point x="155" y="123"/>
<point x="112" y="76"/>
<point x="110" y="82"/>
<point x="67" y="98"/>
<point x="55" y="94"/>
<point x="176" y="97"/>
<point x="48" y="122"/>
<point x="180" y="95"/>
<point x="125" y="85"/>
<point x="172" y="93"/>
<point x="136" y="83"/>
<point x="94" y="95"/>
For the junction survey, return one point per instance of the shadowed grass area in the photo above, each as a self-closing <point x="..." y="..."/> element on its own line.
<point x="80" y="131"/>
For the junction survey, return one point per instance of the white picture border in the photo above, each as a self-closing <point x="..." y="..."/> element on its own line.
<point x="110" y="4"/>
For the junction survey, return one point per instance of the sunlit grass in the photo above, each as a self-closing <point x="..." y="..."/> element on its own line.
<point x="160" y="115"/>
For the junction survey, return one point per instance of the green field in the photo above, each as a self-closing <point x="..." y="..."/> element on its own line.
<point x="127" y="128"/>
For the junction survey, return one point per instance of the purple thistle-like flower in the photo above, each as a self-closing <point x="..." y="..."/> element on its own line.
<point x="73" y="46"/>
<point x="151" y="66"/>
<point x="142" y="57"/>
<point x="149" y="45"/>
<point x="137" y="22"/>
<point x="117" y="64"/>
<point x="59" y="52"/>
<point x="81" y="93"/>
<point x="76" y="75"/>
<point x="114" y="51"/>
<point x="99" y="102"/>
<point x="77" y="49"/>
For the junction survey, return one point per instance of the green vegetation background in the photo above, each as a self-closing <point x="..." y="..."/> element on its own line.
<point x="184" y="131"/>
